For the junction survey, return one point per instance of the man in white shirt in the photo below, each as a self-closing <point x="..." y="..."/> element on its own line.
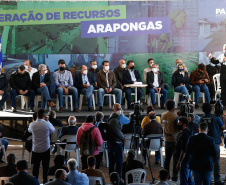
<point x="41" y="129"/>
<point x="29" y="68"/>
<point x="148" y="69"/>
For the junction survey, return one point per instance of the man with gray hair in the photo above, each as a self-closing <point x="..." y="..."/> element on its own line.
<point x="41" y="83"/>
<point x="74" y="176"/>
<point x="71" y="129"/>
<point x="9" y="169"/>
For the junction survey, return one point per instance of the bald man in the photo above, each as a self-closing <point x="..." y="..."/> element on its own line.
<point x="85" y="83"/>
<point x="178" y="61"/>
<point x="29" y="68"/>
<point x="119" y="74"/>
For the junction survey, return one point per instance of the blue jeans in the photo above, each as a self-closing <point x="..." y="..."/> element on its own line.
<point x="169" y="150"/>
<point x="203" y="88"/>
<point x="216" y="164"/>
<point x="5" y="97"/>
<point x="30" y="94"/>
<point x="72" y="91"/>
<point x="88" y="92"/>
<point x="183" y="90"/>
<point x="185" y="174"/>
<point x="117" y="92"/>
<point x="115" y="152"/>
<point x="5" y="143"/>
<point x="164" y="93"/>
<point x="128" y="92"/>
<point x="202" y="177"/>
<point x="44" y="91"/>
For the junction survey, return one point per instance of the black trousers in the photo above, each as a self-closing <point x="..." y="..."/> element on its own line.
<point x="37" y="158"/>
<point x="211" y="89"/>
<point x="223" y="88"/>
<point x="84" y="160"/>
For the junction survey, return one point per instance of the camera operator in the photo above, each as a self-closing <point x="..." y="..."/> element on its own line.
<point x="215" y="126"/>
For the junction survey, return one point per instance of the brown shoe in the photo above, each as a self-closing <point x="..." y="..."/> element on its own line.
<point x="51" y="104"/>
<point x="76" y="110"/>
<point x="60" y="109"/>
<point x="14" y="109"/>
<point x="163" y="107"/>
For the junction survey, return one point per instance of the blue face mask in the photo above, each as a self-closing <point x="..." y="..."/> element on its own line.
<point x="213" y="65"/>
<point x="181" y="70"/>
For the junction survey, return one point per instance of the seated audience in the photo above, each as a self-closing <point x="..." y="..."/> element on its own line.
<point x="60" y="178"/>
<point x="178" y="61"/>
<point x="180" y="82"/>
<point x="130" y="164"/>
<point x="146" y="118"/>
<point x="22" y="175"/>
<point x="64" y="85"/>
<point x="131" y="76"/>
<point x="52" y="119"/>
<point x="41" y="83"/>
<point x="29" y="68"/>
<point x="5" y="143"/>
<point x="9" y="169"/>
<point x="91" y="171"/>
<point x="99" y="118"/>
<point x="58" y="164"/>
<point x="119" y="74"/>
<point x="97" y="138"/>
<point x="20" y="83"/>
<point x="74" y="176"/>
<point x="148" y="69"/>
<point x="163" y="176"/>
<point x="156" y="83"/>
<point x="106" y="82"/>
<point x="198" y="79"/>
<point x="3" y="90"/>
<point x="94" y="70"/>
<point x="84" y="82"/>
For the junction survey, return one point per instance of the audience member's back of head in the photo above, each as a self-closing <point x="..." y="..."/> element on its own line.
<point x="206" y="108"/>
<point x="203" y="126"/>
<point x="21" y="165"/>
<point x="72" y="164"/>
<point x="58" y="173"/>
<point x="35" y="114"/>
<point x="149" y="109"/>
<point x="163" y="175"/>
<point x="51" y="114"/>
<point x="41" y="113"/>
<point x="90" y="119"/>
<point x="170" y="105"/>
<point x="114" y="178"/>
<point x="59" y="160"/>
<point x="99" y="116"/>
<point x="11" y="158"/>
<point x="152" y="115"/>
<point x="91" y="160"/>
<point x="130" y="157"/>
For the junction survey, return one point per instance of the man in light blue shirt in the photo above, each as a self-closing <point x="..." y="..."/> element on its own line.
<point x="64" y="83"/>
<point x="74" y="176"/>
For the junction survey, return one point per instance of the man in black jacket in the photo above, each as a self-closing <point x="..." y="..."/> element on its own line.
<point x="71" y="129"/>
<point x="94" y="70"/>
<point x="84" y="82"/>
<point x="119" y="74"/>
<point x="131" y="76"/>
<point x="41" y="83"/>
<point x="21" y="85"/>
<point x="201" y="147"/>
<point x="115" y="148"/>
<point x="155" y="81"/>
<point x="3" y="90"/>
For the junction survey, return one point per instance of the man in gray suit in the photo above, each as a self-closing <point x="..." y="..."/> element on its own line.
<point x="60" y="177"/>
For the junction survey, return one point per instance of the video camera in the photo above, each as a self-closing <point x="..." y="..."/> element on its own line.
<point x="185" y="109"/>
<point x="218" y="107"/>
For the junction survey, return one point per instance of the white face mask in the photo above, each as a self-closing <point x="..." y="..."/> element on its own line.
<point x="151" y="64"/>
<point x="118" y="112"/>
<point x="46" y="72"/>
<point x="123" y="66"/>
<point x="85" y="72"/>
<point x="94" y="66"/>
<point x="26" y="67"/>
<point x="106" y="68"/>
<point x="154" y="70"/>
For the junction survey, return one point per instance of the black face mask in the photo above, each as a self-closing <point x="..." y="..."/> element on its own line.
<point x="132" y="67"/>
<point x="180" y="127"/>
<point x="62" y="68"/>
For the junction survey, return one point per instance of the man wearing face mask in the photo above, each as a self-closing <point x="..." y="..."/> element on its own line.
<point x="20" y="83"/>
<point x="119" y="74"/>
<point x="41" y="83"/>
<point x="106" y="81"/>
<point x="94" y="70"/>
<point x="29" y="68"/>
<point x="178" y="61"/>
<point x="148" y="69"/>
<point x="155" y="81"/>
<point x="3" y="90"/>
<point x="198" y="79"/>
<point x="64" y="83"/>
<point x="131" y="76"/>
<point x="84" y="82"/>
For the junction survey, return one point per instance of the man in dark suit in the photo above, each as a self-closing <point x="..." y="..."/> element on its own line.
<point x="22" y="177"/>
<point x="155" y="81"/>
<point x="131" y="76"/>
<point x="119" y="74"/>
<point x="9" y="169"/>
<point x="3" y="90"/>
<point x="84" y="82"/>
<point x="52" y="119"/>
<point x="41" y="82"/>
<point x="202" y="150"/>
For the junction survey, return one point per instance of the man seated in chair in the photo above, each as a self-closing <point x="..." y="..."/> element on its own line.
<point x="155" y="81"/>
<point x="20" y="83"/>
<point x="3" y="89"/>
<point x="131" y="76"/>
<point x="29" y="68"/>
<point x="84" y="82"/>
<point x="64" y="83"/>
<point x="106" y="81"/>
<point x="198" y="79"/>
<point x="41" y="82"/>
<point x="94" y="70"/>
<point x="119" y="74"/>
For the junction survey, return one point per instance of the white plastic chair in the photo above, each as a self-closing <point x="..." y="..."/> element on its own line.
<point x="136" y="174"/>
<point x="217" y="85"/>
<point x="4" y="179"/>
<point x="92" y="180"/>
<point x="24" y="99"/>
<point x="201" y="93"/>
<point x="54" y="136"/>
<point x="104" y="149"/>
<point x="124" y="94"/>
<point x="38" y="98"/>
<point x="95" y="94"/>
<point x="71" y="147"/>
<point x="50" y="178"/>
<point x="3" y="149"/>
<point x="110" y="95"/>
<point x="157" y="95"/>
<point x="66" y="101"/>
<point x="176" y="97"/>
<point x="81" y="100"/>
<point x="5" y="104"/>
